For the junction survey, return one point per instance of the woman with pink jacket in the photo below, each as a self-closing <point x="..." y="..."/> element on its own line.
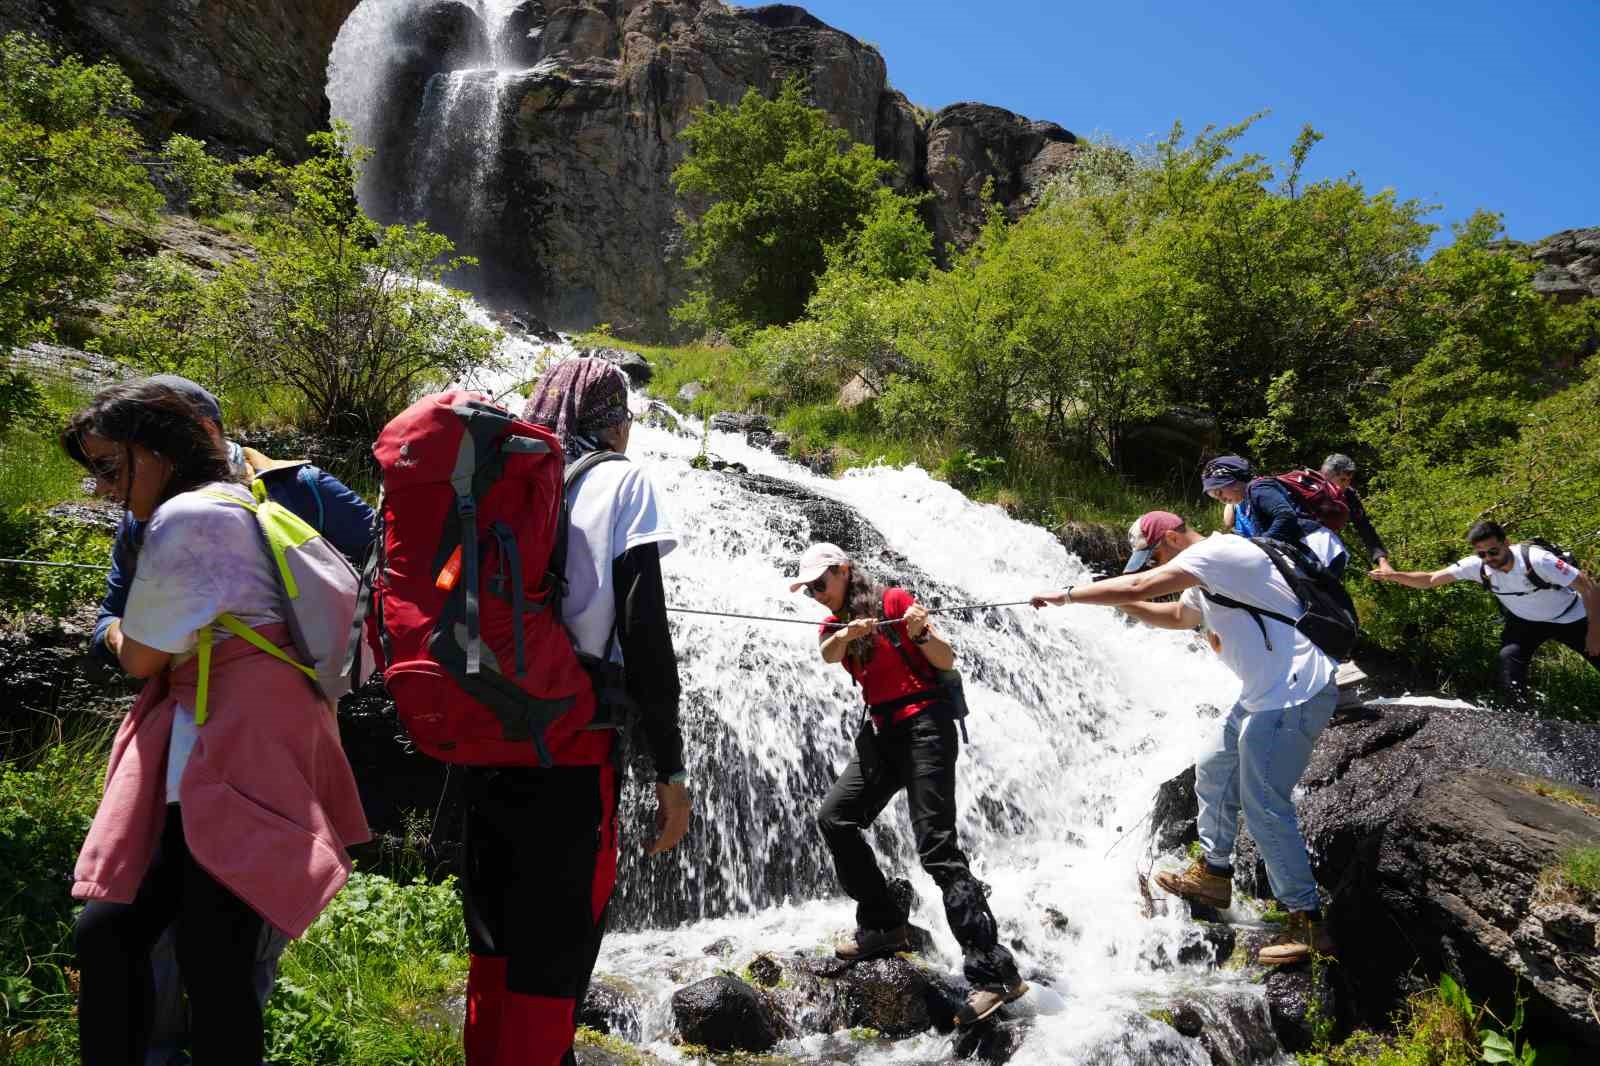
<point x="224" y="824"/>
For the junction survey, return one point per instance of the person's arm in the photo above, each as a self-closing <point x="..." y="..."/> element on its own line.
<point x="1589" y="592"/>
<point x="348" y="522"/>
<point x="1416" y="579"/>
<point x="651" y="672"/>
<point x="141" y="660"/>
<point x="108" y="624"/>
<point x="1275" y="514"/>
<point x="836" y="645"/>
<point x="940" y="655"/>
<point x="1364" y="529"/>
<point x="1117" y="591"/>
<point x="1171" y="615"/>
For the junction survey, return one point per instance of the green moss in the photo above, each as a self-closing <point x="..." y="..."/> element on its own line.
<point x="1562" y="794"/>
<point x="1162" y="1016"/>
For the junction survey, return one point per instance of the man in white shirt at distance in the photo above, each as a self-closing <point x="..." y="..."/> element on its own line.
<point x="1261" y="748"/>
<point x="1542" y="596"/>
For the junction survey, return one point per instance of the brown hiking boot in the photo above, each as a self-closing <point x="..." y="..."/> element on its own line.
<point x="1301" y="937"/>
<point x="875" y="943"/>
<point x="982" y="1002"/>
<point x="1198" y="884"/>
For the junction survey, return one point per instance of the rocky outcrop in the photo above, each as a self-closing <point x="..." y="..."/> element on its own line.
<point x="1430" y="835"/>
<point x="974" y="146"/>
<point x="247" y="75"/>
<point x="1569" y="264"/>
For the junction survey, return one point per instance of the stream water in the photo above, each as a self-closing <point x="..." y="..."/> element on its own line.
<point x="1076" y="718"/>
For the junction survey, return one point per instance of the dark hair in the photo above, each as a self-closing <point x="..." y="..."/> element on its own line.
<point x="161" y="419"/>
<point x="863" y="598"/>
<point x="1485" y="530"/>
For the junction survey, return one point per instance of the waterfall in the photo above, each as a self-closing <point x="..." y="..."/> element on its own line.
<point x="1077" y="716"/>
<point x="423" y="83"/>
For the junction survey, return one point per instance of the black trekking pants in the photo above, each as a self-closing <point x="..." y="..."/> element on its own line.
<point x="218" y="936"/>
<point x="1521" y="639"/>
<point x="539" y="860"/>
<point x="919" y="756"/>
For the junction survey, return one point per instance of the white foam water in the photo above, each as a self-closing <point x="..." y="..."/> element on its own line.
<point x="1077" y="717"/>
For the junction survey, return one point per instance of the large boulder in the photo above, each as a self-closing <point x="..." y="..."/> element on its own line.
<point x="725" y="1014"/>
<point x="1429" y="833"/>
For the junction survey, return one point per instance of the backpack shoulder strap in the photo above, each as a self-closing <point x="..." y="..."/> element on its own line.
<point x="588" y="463"/>
<point x="558" y="556"/>
<point x="1534" y="577"/>
<point x="893" y="637"/>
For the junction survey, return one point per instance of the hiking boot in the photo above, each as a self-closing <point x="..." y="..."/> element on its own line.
<point x="1302" y="935"/>
<point x="982" y="1002"/>
<point x="1199" y="884"/>
<point x="875" y="943"/>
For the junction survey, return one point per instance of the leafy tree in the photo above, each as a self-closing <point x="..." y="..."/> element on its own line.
<point x="773" y="183"/>
<point x="66" y="149"/>
<point x="346" y="314"/>
<point x="205" y="182"/>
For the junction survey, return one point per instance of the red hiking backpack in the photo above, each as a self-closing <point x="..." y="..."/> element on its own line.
<point x="465" y="588"/>
<point x="1316" y="497"/>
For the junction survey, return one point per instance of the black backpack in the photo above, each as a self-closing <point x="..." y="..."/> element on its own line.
<point x="1329" y="617"/>
<point x="1539" y="584"/>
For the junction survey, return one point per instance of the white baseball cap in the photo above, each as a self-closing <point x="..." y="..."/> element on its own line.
<point x="816" y="561"/>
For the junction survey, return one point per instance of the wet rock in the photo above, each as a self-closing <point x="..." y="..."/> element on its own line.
<point x="1139" y="1040"/>
<point x="1212" y="943"/>
<point x="721" y="947"/>
<point x="521" y="36"/>
<point x="897" y="997"/>
<point x="1102" y="546"/>
<point x="636" y="366"/>
<point x="1303" y="1005"/>
<point x="725" y="1014"/>
<point x="1170" y="447"/>
<point x="1233" y="1026"/>
<point x="740" y="422"/>
<point x="766" y="970"/>
<point x="1174" y="813"/>
<point x="614" y="1005"/>
<point x="991" y="1041"/>
<point x="690" y="392"/>
<point x="780" y="444"/>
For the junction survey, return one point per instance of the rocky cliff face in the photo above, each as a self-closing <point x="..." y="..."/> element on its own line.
<point x="573" y="213"/>
<point x="245" y="75"/>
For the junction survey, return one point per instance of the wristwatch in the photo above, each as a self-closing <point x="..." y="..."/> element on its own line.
<point x="923" y="637"/>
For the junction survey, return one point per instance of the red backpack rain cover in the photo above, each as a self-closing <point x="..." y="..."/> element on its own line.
<point x="466" y="588"/>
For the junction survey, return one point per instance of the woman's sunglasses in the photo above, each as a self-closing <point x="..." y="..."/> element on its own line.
<point x="814" y="588"/>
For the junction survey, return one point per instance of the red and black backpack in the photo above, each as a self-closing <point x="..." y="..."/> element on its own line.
<point x="463" y="592"/>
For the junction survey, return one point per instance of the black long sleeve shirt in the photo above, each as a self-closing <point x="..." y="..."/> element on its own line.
<point x="649" y="662"/>
<point x="1358" y="518"/>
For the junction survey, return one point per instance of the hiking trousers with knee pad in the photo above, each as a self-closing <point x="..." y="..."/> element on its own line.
<point x="539" y="861"/>
<point x="919" y="756"/>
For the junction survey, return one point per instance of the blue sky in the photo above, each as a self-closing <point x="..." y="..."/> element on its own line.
<point x="1464" y="105"/>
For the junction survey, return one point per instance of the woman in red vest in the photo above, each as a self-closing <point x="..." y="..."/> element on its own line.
<point x="908" y="741"/>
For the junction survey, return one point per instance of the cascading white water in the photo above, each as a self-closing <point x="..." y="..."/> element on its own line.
<point x="444" y="150"/>
<point x="1076" y="718"/>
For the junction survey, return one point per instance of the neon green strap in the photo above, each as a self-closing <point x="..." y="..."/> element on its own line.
<point x="238" y="629"/>
<point x="282" y="528"/>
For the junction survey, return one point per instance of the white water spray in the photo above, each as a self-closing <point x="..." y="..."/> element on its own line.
<point x="1077" y="717"/>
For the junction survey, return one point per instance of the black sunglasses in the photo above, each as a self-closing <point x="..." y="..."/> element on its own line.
<point x="814" y="588"/>
<point x="1490" y="553"/>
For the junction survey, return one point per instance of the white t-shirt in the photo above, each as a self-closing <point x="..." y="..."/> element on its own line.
<point x="1519" y="595"/>
<point x="1293" y="670"/>
<point x="200" y="557"/>
<point x="613" y="507"/>
<point x="1326" y="545"/>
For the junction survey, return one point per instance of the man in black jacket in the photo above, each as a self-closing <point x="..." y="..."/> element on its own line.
<point x="1341" y="470"/>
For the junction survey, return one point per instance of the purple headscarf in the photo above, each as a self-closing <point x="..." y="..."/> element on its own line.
<point x="578" y="399"/>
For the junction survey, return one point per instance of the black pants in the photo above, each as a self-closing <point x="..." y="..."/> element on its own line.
<point x="538" y="866"/>
<point x="919" y="756"/>
<point x="217" y="938"/>
<point x="1521" y="639"/>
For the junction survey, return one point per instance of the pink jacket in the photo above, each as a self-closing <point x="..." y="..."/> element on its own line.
<point x="269" y="802"/>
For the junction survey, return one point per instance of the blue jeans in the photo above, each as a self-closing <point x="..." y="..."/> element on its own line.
<point x="1255" y="764"/>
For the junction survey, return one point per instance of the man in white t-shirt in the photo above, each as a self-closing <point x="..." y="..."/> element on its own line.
<point x="1542" y="596"/>
<point x="1262" y="747"/>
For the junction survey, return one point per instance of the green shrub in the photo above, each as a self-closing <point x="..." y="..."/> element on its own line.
<point x="205" y="182"/>
<point x="371" y="981"/>
<point x="46" y="805"/>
